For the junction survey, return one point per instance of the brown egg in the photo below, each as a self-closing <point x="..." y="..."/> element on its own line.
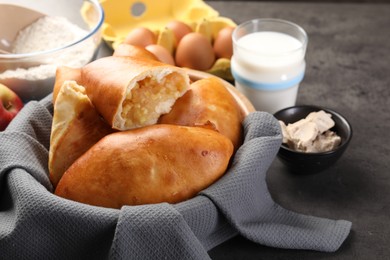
<point x="223" y="45"/>
<point x="195" y="51"/>
<point x="179" y="29"/>
<point x="161" y="53"/>
<point x="140" y="36"/>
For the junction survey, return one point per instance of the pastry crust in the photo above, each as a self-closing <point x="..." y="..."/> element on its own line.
<point x="152" y="164"/>
<point x="128" y="50"/>
<point x="64" y="73"/>
<point x="76" y="127"/>
<point x="208" y="103"/>
<point x="130" y="92"/>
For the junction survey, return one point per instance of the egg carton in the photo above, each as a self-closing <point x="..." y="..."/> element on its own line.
<point x="122" y="16"/>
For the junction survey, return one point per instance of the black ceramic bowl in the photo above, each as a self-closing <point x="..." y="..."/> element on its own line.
<point x="308" y="163"/>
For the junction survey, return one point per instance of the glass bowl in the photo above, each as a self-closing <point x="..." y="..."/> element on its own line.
<point x="30" y="64"/>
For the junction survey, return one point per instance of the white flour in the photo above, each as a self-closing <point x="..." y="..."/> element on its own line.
<point x="50" y="32"/>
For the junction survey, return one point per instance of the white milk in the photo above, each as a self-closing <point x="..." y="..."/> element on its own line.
<point x="268" y="67"/>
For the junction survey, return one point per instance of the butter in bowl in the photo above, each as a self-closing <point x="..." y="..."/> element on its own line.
<point x="314" y="138"/>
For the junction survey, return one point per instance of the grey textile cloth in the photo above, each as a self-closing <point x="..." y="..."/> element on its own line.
<point x="35" y="224"/>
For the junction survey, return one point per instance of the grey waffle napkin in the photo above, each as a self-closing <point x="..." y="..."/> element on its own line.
<point x="35" y="224"/>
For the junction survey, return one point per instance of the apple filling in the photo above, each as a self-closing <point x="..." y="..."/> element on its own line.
<point x="151" y="98"/>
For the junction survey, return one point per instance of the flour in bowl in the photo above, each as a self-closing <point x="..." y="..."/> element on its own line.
<point x="49" y="33"/>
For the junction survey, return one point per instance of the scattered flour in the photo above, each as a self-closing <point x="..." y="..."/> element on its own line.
<point x="34" y="73"/>
<point x="50" y="32"/>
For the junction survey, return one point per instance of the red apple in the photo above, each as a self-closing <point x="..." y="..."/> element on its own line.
<point x="10" y="105"/>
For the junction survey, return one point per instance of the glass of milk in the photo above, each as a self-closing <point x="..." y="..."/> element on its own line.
<point x="268" y="62"/>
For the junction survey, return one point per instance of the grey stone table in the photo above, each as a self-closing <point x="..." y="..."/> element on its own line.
<point x="348" y="70"/>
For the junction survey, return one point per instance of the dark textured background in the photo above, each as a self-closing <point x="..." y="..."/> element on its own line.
<point x="348" y="70"/>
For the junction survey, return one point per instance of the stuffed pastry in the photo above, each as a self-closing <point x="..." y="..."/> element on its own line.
<point x="64" y="73"/>
<point x="133" y="92"/>
<point x="128" y="50"/>
<point x="76" y="127"/>
<point x="209" y="104"/>
<point x="152" y="164"/>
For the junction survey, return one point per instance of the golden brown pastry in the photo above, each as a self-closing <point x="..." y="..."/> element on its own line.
<point x="208" y="103"/>
<point x="153" y="164"/>
<point x="64" y="73"/>
<point x="133" y="51"/>
<point x="130" y="92"/>
<point x="76" y="127"/>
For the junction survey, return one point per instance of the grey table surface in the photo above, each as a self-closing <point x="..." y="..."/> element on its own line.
<point x="348" y="70"/>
